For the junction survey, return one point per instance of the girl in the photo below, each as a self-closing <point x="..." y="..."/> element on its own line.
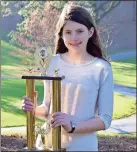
<point x="88" y="83"/>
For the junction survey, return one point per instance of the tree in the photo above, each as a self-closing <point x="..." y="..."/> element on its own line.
<point x="40" y="18"/>
<point x="6" y="7"/>
<point x="5" y="10"/>
<point x="105" y="8"/>
<point x="37" y="30"/>
<point x="38" y="25"/>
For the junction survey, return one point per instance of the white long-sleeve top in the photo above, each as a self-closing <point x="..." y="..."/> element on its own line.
<point x="86" y="93"/>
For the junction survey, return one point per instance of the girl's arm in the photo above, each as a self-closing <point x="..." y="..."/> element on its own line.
<point x="42" y="111"/>
<point x="105" y="106"/>
<point x="90" y="125"/>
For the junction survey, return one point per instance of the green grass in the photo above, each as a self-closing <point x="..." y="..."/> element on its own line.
<point x="12" y="93"/>
<point x="111" y="134"/>
<point x="14" y="88"/>
<point x="11" y="103"/>
<point x="124" y="106"/>
<point x="124" y="72"/>
<point x="11" y="55"/>
<point x="7" y="57"/>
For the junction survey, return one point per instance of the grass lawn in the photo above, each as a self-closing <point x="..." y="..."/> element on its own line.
<point x="123" y="106"/>
<point x="7" y="57"/>
<point x="14" y="88"/>
<point x="124" y="72"/>
<point x="12" y="92"/>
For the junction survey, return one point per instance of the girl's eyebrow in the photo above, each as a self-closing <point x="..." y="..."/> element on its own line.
<point x="67" y="30"/>
<point x="79" y="29"/>
<point x="76" y="29"/>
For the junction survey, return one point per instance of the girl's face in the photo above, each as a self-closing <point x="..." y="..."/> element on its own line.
<point x="76" y="35"/>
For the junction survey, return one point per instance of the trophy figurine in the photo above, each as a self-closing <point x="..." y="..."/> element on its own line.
<point x="42" y="58"/>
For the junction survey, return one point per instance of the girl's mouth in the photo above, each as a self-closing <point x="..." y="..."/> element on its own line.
<point x="75" y="44"/>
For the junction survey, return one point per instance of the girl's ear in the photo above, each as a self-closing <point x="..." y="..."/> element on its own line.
<point x="91" y="31"/>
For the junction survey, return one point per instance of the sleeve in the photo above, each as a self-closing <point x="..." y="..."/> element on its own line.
<point x="106" y="97"/>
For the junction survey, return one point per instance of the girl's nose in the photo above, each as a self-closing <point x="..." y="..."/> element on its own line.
<point x="74" y="37"/>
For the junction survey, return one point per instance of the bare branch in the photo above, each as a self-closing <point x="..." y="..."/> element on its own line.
<point x="102" y="11"/>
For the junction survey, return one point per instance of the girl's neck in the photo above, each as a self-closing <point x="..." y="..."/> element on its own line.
<point x="77" y="58"/>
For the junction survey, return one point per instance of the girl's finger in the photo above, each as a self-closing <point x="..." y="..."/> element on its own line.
<point x="57" y="114"/>
<point x="27" y="105"/>
<point x="57" y="118"/>
<point x="25" y="98"/>
<point x="28" y="102"/>
<point x="27" y="108"/>
<point x="58" y="123"/>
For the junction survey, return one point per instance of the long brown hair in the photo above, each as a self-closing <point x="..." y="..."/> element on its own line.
<point x="80" y="15"/>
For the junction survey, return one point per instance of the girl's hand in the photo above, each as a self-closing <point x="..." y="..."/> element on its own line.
<point x="61" y="119"/>
<point x="27" y="105"/>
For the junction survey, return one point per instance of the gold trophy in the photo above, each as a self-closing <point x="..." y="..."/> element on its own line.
<point x="56" y="105"/>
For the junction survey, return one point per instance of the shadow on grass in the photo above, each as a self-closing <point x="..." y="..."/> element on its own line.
<point x="10" y="108"/>
<point x="12" y="93"/>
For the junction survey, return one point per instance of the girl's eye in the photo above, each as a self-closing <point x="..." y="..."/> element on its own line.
<point x="79" y="31"/>
<point x="67" y="32"/>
